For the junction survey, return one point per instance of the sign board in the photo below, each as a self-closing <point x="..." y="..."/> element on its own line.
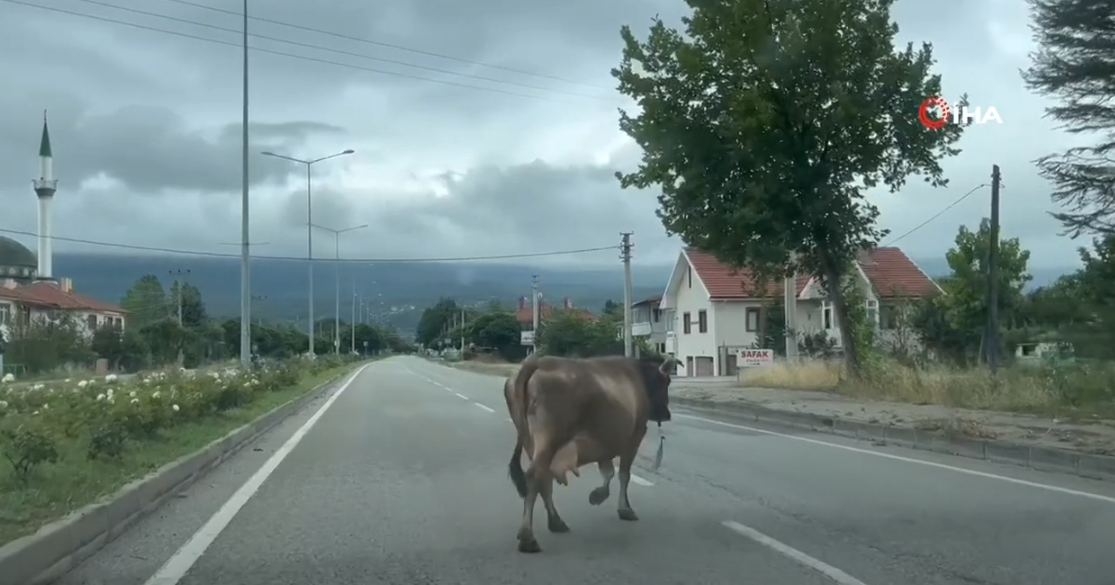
<point x="526" y="338"/>
<point x="751" y="358"/>
<point x="365" y="344"/>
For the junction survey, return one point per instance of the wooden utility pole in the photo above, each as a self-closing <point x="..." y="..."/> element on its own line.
<point x="991" y="343"/>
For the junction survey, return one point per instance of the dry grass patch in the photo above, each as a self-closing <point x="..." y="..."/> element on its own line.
<point x="1083" y="389"/>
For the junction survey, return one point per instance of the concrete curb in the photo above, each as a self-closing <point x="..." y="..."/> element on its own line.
<point x="58" y="547"/>
<point x="1099" y="467"/>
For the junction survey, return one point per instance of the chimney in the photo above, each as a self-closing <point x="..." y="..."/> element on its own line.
<point x="566" y="303"/>
<point x="67" y="285"/>
<point x="522" y="303"/>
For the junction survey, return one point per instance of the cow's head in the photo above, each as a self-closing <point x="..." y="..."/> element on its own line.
<point x="656" y="373"/>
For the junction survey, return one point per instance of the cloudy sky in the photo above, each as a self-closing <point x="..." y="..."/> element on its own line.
<point x="453" y="157"/>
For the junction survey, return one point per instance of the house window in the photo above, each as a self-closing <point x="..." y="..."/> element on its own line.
<point x="888" y="317"/>
<point x="689" y="275"/>
<point x="752" y="319"/>
<point x="656" y="314"/>
<point x="91" y="320"/>
<point x="5" y="313"/>
<point x="873" y="312"/>
<point x="826" y="315"/>
<point x="702" y="321"/>
<point x="686" y="326"/>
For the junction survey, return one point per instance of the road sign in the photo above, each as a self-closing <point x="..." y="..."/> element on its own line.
<point x="526" y="338"/>
<point x="751" y="358"/>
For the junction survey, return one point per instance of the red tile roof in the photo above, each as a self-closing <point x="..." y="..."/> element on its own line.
<point x="891" y="273"/>
<point x="50" y="295"/>
<point x="525" y="315"/>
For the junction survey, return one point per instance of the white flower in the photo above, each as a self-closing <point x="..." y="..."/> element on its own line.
<point x="135" y="401"/>
<point x="38" y="387"/>
<point x="82" y="384"/>
<point x="100" y="397"/>
<point x="46" y="406"/>
<point x="8" y="378"/>
<point x="110" y="392"/>
<point x="174" y="407"/>
<point x="155" y="394"/>
<point x="34" y="413"/>
<point x="110" y="399"/>
<point x="3" y="404"/>
<point x="67" y="380"/>
<point x="132" y="394"/>
<point x="110" y="378"/>
<point x="146" y="380"/>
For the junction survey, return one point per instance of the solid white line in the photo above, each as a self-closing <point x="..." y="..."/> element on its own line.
<point x="461" y="396"/>
<point x="1016" y="481"/>
<point x="820" y="566"/>
<point x="484" y="407"/>
<point x="641" y="481"/>
<point x="178" y="564"/>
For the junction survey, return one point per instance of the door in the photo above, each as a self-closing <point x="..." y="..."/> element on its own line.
<point x="689" y="366"/>
<point x="730" y="366"/>
<point x="705" y="366"/>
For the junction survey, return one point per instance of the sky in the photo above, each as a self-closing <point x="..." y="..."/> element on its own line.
<point x="479" y="128"/>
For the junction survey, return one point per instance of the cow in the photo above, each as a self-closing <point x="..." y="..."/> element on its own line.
<point x="574" y="412"/>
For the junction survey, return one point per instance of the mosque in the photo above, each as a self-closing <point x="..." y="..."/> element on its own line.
<point x="28" y="287"/>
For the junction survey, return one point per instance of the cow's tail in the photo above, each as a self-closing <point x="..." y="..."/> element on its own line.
<point x="519" y="407"/>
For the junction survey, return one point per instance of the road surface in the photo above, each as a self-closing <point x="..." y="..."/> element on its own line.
<point x="401" y="479"/>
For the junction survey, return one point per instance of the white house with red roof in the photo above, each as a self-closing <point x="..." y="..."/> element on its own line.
<point x="712" y="310"/>
<point x="46" y="301"/>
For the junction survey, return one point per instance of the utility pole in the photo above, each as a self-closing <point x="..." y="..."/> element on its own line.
<point x="462" y="333"/>
<point x="352" y="326"/>
<point x="790" y="309"/>
<point x="534" y="311"/>
<point x="179" y="278"/>
<point x="992" y="338"/>
<point x="245" y="244"/>
<point x="625" y="255"/>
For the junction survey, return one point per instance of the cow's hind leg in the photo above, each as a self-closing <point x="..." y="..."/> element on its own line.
<point x="553" y="520"/>
<point x="626" y="460"/>
<point x="527" y="542"/>
<point x="607" y="472"/>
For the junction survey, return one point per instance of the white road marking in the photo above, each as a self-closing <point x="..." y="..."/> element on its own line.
<point x="820" y="566"/>
<point x="484" y="407"/>
<point x="641" y="481"/>
<point x="984" y="474"/>
<point x="461" y="396"/>
<point x="180" y="562"/>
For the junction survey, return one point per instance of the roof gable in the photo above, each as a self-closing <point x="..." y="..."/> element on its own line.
<point x="724" y="282"/>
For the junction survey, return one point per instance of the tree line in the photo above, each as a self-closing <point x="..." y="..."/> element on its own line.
<point x="168" y="325"/>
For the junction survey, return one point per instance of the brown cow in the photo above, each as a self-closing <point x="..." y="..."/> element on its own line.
<point x="574" y="412"/>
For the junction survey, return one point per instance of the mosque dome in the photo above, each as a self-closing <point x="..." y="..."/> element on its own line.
<point x="16" y="260"/>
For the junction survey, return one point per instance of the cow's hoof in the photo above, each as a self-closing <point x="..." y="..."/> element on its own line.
<point x="598" y="496"/>
<point x="556" y="524"/>
<point x="529" y="546"/>
<point x="628" y="514"/>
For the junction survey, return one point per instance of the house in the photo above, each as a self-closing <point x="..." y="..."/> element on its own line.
<point x="525" y="312"/>
<point x="713" y="310"/>
<point x="47" y="300"/>
<point x="647" y="321"/>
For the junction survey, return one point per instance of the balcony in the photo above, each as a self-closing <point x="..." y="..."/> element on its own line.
<point x="641" y="329"/>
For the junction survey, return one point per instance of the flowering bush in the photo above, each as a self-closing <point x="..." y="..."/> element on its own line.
<point x="103" y="415"/>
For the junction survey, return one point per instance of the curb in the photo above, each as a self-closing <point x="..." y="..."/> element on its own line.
<point x="1100" y="467"/>
<point x="59" y="547"/>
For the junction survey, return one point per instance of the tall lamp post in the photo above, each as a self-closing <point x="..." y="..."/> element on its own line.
<point x="337" y="262"/>
<point x="309" y="230"/>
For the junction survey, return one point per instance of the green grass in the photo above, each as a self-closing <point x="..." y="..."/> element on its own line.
<point x="56" y="490"/>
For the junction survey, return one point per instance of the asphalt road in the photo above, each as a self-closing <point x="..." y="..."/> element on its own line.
<point x="402" y="479"/>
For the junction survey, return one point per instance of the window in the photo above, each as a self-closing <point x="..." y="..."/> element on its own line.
<point x="873" y="313"/>
<point x="702" y="321"/>
<point x="826" y="315"/>
<point x="752" y="319"/>
<point x="656" y="314"/>
<point x="91" y="320"/>
<point x="5" y="313"/>
<point x="689" y="274"/>
<point x="685" y="324"/>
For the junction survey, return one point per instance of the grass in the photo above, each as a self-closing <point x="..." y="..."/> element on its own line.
<point x="1069" y="390"/>
<point x="56" y="490"/>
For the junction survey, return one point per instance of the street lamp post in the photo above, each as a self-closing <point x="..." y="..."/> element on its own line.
<point x="310" y="230"/>
<point x="337" y="287"/>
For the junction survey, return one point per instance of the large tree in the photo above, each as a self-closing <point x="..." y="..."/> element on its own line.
<point x="146" y="302"/>
<point x="765" y="122"/>
<point x="1073" y="65"/>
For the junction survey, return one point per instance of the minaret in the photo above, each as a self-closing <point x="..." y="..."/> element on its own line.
<point x="44" y="188"/>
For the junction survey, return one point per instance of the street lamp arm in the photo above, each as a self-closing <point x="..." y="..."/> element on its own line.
<point x="290" y="158"/>
<point x="342" y="153"/>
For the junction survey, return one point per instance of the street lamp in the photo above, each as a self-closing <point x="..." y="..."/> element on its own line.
<point x="309" y="229"/>
<point x="337" y="263"/>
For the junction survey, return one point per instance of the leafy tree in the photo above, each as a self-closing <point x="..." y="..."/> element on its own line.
<point x="1073" y="65"/>
<point x="145" y="301"/>
<point x="108" y="344"/>
<point x="765" y="122"/>
<point x="434" y="322"/>
<point x="193" y="308"/>
<point x="612" y="308"/>
<point x="570" y="334"/>
<point x="499" y="331"/>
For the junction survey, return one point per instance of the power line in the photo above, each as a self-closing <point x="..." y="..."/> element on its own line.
<point x="935" y="216"/>
<point x="303" y="259"/>
<point x="338" y="51"/>
<point x="389" y="45"/>
<point x="284" y="54"/>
